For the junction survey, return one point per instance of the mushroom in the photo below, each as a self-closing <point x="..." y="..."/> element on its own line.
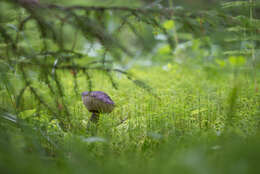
<point x="97" y="102"/>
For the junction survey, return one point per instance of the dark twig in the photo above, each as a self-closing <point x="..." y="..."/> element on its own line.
<point x="115" y="8"/>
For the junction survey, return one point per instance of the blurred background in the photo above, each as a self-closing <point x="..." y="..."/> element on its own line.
<point x="184" y="76"/>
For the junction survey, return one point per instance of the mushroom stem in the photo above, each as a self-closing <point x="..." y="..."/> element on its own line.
<point x="94" y="117"/>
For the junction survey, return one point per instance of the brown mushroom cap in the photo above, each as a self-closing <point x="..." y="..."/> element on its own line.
<point x="98" y="102"/>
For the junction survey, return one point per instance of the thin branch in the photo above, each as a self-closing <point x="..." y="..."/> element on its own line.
<point x="114" y="8"/>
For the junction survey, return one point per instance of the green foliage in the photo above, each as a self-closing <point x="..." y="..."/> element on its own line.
<point x="183" y="129"/>
<point x="237" y="61"/>
<point x="184" y="83"/>
<point x="168" y="25"/>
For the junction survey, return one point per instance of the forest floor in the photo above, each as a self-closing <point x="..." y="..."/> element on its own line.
<point x="181" y="119"/>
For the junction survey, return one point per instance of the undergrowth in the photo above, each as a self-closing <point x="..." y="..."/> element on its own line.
<point x="195" y="121"/>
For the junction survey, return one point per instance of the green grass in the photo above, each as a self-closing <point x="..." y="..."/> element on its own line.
<point x="192" y="121"/>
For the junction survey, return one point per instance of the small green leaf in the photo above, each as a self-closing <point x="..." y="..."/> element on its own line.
<point x="166" y="49"/>
<point x="169" y="66"/>
<point x="169" y="24"/>
<point x="27" y="113"/>
<point x="220" y="62"/>
<point x="197" y="111"/>
<point x="241" y="60"/>
<point x="237" y="60"/>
